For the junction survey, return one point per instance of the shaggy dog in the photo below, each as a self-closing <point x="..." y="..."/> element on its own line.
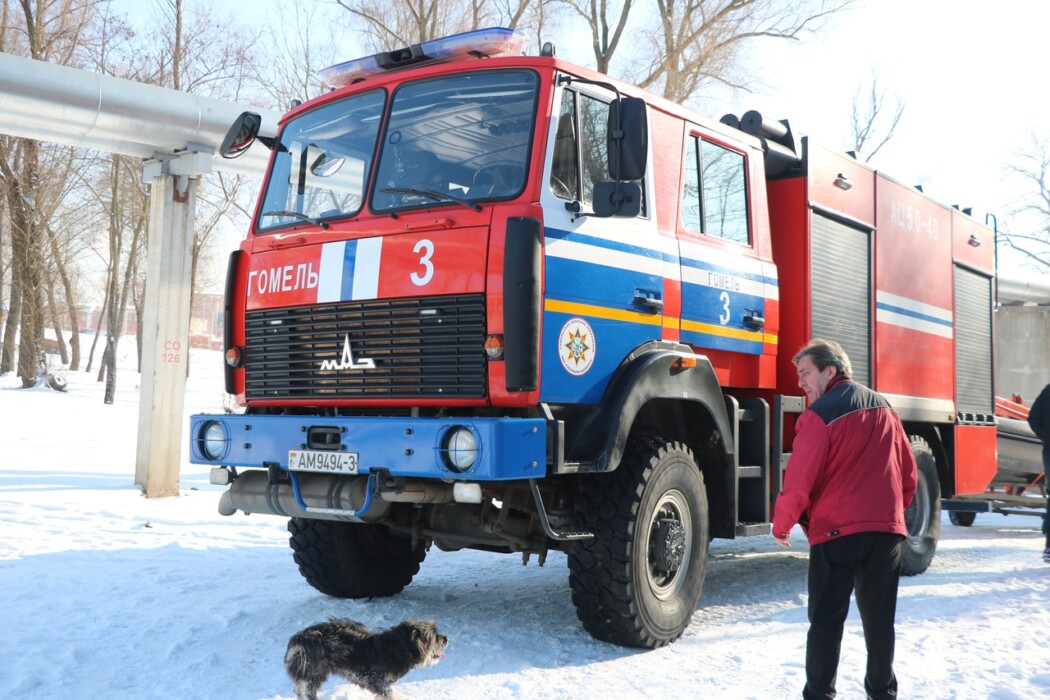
<point x="373" y="661"/>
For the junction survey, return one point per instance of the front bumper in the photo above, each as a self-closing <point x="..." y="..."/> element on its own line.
<point x="507" y="448"/>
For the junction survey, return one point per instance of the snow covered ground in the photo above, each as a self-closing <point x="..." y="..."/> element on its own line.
<point x="110" y="595"/>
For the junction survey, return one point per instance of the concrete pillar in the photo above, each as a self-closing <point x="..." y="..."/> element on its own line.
<point x="1022" y="350"/>
<point x="165" y="333"/>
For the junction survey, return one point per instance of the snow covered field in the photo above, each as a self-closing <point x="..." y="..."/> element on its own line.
<point x="110" y="595"/>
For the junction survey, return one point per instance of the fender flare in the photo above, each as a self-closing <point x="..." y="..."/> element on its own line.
<point x="646" y="374"/>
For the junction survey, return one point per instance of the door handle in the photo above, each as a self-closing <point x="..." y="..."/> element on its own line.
<point x="649" y="299"/>
<point x="753" y="321"/>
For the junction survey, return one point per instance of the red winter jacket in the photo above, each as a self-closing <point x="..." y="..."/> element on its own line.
<point x="851" y="468"/>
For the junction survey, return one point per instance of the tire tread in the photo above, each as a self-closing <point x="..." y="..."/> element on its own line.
<point x="603" y="589"/>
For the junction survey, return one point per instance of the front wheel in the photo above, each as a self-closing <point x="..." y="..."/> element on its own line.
<point x="923" y="516"/>
<point x="637" y="582"/>
<point x="962" y="518"/>
<point x="353" y="560"/>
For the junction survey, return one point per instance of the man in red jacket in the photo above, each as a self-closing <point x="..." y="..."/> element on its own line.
<point x="850" y="477"/>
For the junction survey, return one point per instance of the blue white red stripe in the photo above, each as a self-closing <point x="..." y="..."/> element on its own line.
<point x="913" y="315"/>
<point x="349" y="270"/>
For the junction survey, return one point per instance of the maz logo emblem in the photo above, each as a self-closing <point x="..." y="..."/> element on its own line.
<point x="347" y="361"/>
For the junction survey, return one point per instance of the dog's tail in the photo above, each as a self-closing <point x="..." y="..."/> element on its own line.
<point x="296" y="660"/>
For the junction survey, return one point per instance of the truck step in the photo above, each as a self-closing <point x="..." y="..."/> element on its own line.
<point x="752" y="529"/>
<point x="748" y="472"/>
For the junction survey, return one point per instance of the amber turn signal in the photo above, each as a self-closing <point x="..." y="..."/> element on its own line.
<point x="494" y="347"/>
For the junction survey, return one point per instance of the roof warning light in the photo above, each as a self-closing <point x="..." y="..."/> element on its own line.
<point x="480" y="43"/>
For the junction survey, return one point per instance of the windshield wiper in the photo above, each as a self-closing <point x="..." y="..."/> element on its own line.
<point x="431" y="194"/>
<point x="297" y="215"/>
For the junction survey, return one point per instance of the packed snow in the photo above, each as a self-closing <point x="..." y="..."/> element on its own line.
<point x="108" y="594"/>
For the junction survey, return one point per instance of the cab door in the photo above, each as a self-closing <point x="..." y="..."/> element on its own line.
<point x="605" y="277"/>
<point x="729" y="284"/>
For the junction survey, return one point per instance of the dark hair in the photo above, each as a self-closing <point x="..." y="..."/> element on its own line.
<point x="825" y="353"/>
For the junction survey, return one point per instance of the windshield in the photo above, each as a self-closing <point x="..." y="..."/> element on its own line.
<point x="458" y="139"/>
<point x="323" y="161"/>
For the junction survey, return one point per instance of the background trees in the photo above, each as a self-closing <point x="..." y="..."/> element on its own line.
<point x="1028" y="229"/>
<point x="34" y="180"/>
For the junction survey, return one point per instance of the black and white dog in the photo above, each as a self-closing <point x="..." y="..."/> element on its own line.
<point x="374" y="661"/>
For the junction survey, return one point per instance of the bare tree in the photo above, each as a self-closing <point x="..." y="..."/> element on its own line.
<point x="46" y="30"/>
<point x="700" y="42"/>
<point x="539" y="16"/>
<point x="873" y="121"/>
<point x="19" y="165"/>
<point x="4" y="265"/>
<point x="70" y="230"/>
<point x="607" y="27"/>
<point x="385" y="25"/>
<point x="295" y="57"/>
<point x="193" y="50"/>
<point x="1029" y="223"/>
<point x="128" y="212"/>
<point x="685" y="44"/>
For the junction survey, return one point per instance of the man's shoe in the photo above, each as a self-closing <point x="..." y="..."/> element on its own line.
<point x="1046" y="555"/>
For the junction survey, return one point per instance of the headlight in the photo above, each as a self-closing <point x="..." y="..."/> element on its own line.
<point x="460" y="449"/>
<point x="212" y="440"/>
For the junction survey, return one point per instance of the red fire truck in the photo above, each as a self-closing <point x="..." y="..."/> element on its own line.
<point x="502" y="302"/>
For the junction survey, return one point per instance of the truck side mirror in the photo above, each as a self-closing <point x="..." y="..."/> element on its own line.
<point x="617" y="199"/>
<point x="628" y="138"/>
<point x="241" y="135"/>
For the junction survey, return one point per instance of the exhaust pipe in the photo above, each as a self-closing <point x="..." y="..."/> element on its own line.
<point x="252" y="492"/>
<point x="326" y="496"/>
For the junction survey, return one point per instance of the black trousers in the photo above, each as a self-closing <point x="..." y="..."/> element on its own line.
<point x="870" y="564"/>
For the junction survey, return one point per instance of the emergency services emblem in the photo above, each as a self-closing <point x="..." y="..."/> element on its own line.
<point x="576" y="346"/>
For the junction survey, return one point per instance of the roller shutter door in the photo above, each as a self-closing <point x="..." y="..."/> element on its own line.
<point x="974" y="383"/>
<point x="840" y="296"/>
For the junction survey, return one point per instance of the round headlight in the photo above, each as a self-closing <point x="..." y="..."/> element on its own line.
<point x="212" y="440"/>
<point x="461" y="449"/>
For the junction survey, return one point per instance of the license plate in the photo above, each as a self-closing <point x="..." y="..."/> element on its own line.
<point x="323" y="462"/>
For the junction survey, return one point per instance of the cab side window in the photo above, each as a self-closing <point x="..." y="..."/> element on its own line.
<point x="714" y="197"/>
<point x="581" y="148"/>
<point x="564" y="164"/>
<point x="594" y="119"/>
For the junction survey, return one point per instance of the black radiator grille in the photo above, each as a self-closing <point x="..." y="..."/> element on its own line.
<point x="428" y="347"/>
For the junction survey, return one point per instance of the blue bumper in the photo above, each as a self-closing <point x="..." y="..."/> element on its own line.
<point x="507" y="448"/>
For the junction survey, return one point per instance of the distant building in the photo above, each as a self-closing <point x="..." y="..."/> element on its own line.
<point x="206" y="321"/>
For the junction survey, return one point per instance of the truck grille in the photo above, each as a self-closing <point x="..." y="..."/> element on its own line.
<point x="430" y="347"/>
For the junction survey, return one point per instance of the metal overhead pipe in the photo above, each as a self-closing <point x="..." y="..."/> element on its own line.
<point x="1025" y="291"/>
<point x="48" y="102"/>
<point x="178" y="136"/>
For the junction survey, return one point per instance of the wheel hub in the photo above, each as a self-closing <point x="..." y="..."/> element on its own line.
<point x="668" y="545"/>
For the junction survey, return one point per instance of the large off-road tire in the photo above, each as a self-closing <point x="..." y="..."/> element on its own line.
<point x="923" y="516"/>
<point x="636" y="583"/>
<point x="353" y="560"/>
<point x="962" y="518"/>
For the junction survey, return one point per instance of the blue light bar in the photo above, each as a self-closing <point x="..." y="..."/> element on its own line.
<point x="496" y="41"/>
<point x="349" y="72"/>
<point x="480" y="43"/>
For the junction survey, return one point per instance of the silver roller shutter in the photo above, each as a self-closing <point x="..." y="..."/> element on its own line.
<point x="974" y="374"/>
<point x="840" y="297"/>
